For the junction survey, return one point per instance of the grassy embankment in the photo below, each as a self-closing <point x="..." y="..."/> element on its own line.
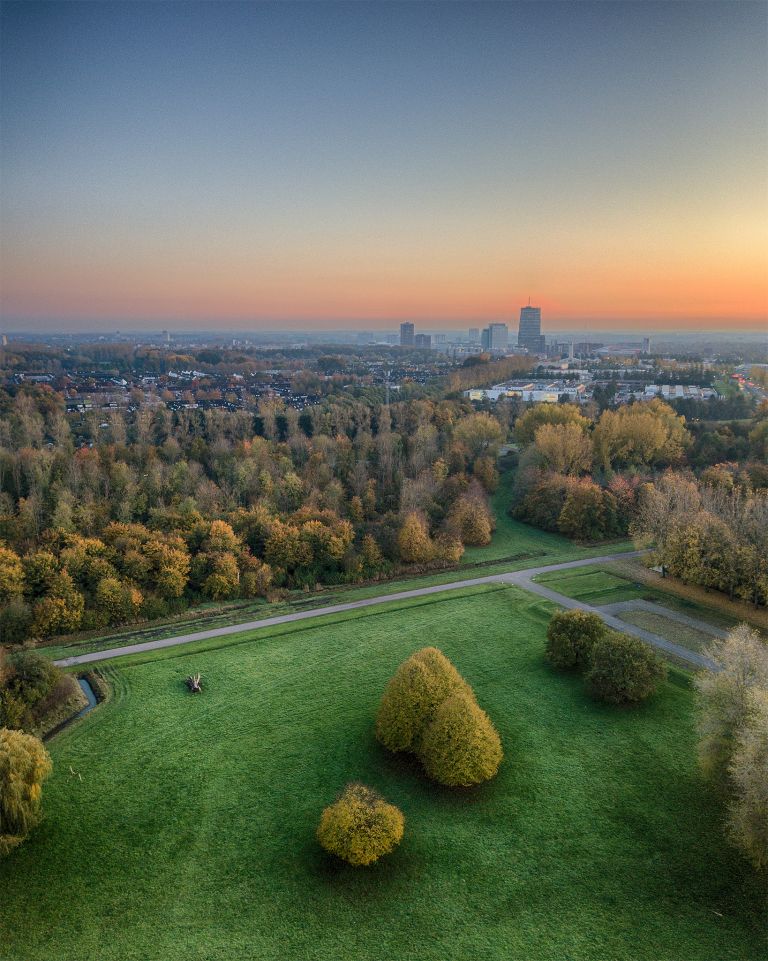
<point x="191" y="833"/>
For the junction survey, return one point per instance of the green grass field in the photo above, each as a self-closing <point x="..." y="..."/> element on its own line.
<point x="593" y="586"/>
<point x="684" y="634"/>
<point x="191" y="834"/>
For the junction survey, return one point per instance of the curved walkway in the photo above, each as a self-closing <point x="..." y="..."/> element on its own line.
<point x="521" y="579"/>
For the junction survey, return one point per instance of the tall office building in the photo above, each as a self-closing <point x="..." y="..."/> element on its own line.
<point x="406" y="335"/>
<point x="529" y="333"/>
<point x="495" y="337"/>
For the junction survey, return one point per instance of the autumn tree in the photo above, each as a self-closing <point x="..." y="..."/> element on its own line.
<point x="589" y="512"/>
<point x="564" y="448"/>
<point x="24" y="765"/>
<point x="480" y="434"/>
<point x="748" y="776"/>
<point x="460" y="746"/>
<point x="420" y="684"/>
<point x="429" y="709"/>
<point x="11" y="575"/>
<point x="413" y="541"/>
<point x="623" y="669"/>
<point x="637" y="435"/>
<point x="571" y="635"/>
<point x="360" y="826"/>
<point x="470" y="520"/>
<point x="540" y="415"/>
<point x="741" y="661"/>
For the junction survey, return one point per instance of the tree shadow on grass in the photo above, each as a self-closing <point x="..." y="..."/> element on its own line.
<point x="403" y="866"/>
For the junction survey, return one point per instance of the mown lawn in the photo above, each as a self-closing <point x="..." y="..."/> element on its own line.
<point x="593" y="586"/>
<point x="191" y="833"/>
<point x="684" y="634"/>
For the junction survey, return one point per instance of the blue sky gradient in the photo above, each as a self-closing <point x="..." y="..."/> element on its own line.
<point x="320" y="164"/>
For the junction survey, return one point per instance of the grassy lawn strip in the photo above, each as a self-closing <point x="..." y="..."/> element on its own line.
<point x="191" y="834"/>
<point x="326" y="621"/>
<point x="682" y="634"/>
<point x="592" y="585"/>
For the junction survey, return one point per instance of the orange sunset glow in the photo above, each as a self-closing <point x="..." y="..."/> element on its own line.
<point x="617" y="176"/>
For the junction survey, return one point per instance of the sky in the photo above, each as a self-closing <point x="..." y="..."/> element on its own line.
<point x="292" y="165"/>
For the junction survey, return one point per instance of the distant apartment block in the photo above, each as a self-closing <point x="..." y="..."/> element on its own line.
<point x="495" y="337"/>
<point x="422" y="340"/>
<point x="406" y="335"/>
<point x="474" y="335"/>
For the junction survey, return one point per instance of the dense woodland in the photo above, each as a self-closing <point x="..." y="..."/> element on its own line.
<point x="107" y="518"/>
<point x="697" y="493"/>
<point x="106" y="524"/>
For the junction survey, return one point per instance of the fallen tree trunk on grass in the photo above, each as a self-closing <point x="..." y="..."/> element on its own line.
<point x="193" y="683"/>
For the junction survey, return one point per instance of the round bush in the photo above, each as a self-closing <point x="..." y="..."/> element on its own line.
<point x="623" y="669"/>
<point x="360" y="826"/>
<point x="460" y="747"/>
<point x="411" y="698"/>
<point x="571" y="635"/>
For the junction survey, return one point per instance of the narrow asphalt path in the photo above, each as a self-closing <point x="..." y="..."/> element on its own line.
<point x="521" y="579"/>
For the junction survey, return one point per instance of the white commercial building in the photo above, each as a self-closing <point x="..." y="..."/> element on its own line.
<point x="536" y="391"/>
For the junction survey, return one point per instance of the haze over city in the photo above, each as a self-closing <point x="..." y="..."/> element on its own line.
<point x="341" y="165"/>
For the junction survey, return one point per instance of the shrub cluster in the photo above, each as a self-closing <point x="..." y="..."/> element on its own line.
<point x="571" y="636"/>
<point x="618" y="669"/>
<point x="360" y="826"/>
<point x="26" y="679"/>
<point x="623" y="669"/>
<point x="429" y="710"/>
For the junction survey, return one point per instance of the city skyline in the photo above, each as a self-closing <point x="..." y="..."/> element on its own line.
<point x="343" y="166"/>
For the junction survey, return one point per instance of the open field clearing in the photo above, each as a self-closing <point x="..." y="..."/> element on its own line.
<point x="191" y="833"/>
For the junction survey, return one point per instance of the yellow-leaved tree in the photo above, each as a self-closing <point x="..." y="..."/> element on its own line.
<point x="360" y="826"/>
<point x="429" y="710"/>
<point x="24" y="765"/>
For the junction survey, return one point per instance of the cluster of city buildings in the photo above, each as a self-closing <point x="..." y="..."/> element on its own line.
<point x="496" y="339"/>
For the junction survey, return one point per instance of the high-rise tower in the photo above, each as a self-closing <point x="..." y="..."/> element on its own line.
<point x="529" y="333"/>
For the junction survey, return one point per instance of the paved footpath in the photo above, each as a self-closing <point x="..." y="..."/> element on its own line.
<point x="521" y="579"/>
